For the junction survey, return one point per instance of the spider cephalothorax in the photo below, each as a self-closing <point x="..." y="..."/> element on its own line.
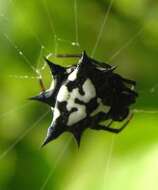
<point x="85" y="95"/>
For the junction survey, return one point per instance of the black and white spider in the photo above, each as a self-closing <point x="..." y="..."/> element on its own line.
<point x="85" y="95"/>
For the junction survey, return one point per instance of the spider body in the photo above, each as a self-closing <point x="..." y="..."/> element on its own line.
<point x="85" y="95"/>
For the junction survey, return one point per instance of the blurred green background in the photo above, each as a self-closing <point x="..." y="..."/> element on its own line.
<point x="126" y="33"/>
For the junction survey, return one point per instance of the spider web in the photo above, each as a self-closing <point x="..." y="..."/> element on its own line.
<point x="36" y="75"/>
<point x="37" y="71"/>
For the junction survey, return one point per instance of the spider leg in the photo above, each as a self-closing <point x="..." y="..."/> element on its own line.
<point x="66" y="55"/>
<point x="129" y="81"/>
<point x="113" y="130"/>
<point x="41" y="83"/>
<point x="128" y="120"/>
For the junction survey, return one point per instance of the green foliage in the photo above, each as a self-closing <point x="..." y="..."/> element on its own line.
<point x="129" y="39"/>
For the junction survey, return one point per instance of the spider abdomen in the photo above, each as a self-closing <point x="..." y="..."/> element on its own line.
<point x="84" y="95"/>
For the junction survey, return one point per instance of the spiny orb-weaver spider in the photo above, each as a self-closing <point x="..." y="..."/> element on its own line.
<point x="84" y="95"/>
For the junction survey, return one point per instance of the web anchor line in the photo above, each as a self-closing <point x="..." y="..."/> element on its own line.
<point x="76" y="43"/>
<point x="23" y="134"/>
<point x="37" y="71"/>
<point x="64" y="55"/>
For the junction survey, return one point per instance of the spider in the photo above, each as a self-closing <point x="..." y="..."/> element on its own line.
<point x="84" y="96"/>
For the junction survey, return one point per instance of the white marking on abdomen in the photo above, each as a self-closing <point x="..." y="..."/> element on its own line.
<point x="80" y="113"/>
<point x="63" y="94"/>
<point x="101" y="108"/>
<point x="132" y="87"/>
<point x="69" y="97"/>
<point x="77" y="115"/>
<point x="73" y="75"/>
<point x="56" y="114"/>
<point x="89" y="91"/>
